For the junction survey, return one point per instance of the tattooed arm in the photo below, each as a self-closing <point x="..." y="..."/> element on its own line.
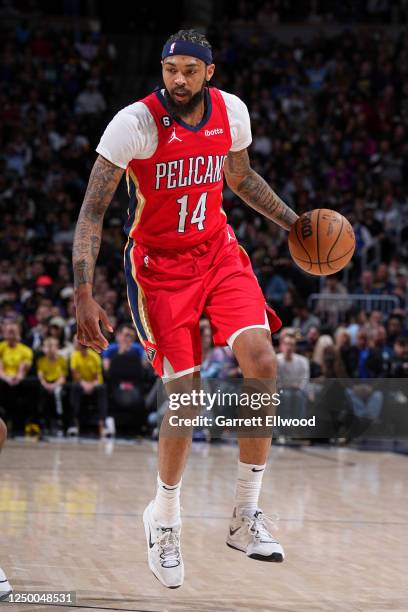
<point x="102" y="185"/>
<point x="255" y="192"/>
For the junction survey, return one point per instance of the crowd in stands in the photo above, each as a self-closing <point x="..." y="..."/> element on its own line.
<point x="330" y="129"/>
<point x="272" y="12"/>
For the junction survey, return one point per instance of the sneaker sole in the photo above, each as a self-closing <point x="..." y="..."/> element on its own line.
<point x="4" y="596"/>
<point x="147" y="530"/>
<point x="273" y="558"/>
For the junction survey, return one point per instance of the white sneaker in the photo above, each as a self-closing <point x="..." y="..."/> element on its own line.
<point x="251" y="535"/>
<point x="5" y="588"/>
<point x="72" y="432"/>
<point x="163" y="550"/>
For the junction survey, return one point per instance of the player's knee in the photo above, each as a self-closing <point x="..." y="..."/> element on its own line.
<point x="3" y="433"/>
<point x="264" y="363"/>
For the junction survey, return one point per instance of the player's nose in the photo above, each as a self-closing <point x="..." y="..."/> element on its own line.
<point x="180" y="80"/>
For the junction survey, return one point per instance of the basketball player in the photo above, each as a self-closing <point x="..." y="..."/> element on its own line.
<point x="5" y="588"/>
<point x="181" y="260"/>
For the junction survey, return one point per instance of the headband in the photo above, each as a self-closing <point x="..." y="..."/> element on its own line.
<point x="186" y="47"/>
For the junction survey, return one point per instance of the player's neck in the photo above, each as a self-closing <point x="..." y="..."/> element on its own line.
<point x="196" y="116"/>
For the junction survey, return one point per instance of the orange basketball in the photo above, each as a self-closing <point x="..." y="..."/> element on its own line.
<point x="322" y="241"/>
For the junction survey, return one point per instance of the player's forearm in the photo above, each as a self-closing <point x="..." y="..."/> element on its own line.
<point x="255" y="192"/>
<point x="102" y="185"/>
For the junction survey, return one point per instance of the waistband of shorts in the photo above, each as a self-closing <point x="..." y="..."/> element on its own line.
<point x="197" y="249"/>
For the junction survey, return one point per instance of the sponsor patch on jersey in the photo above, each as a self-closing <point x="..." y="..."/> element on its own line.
<point x="214" y="132"/>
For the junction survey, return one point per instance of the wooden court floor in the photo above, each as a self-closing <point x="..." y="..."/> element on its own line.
<point x="70" y="517"/>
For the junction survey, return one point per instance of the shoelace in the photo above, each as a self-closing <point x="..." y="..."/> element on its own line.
<point x="169" y="544"/>
<point x="259" y="525"/>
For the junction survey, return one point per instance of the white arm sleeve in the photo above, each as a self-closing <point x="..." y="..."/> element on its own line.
<point x="132" y="134"/>
<point x="240" y="123"/>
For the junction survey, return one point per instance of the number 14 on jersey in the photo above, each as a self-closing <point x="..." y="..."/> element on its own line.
<point x="198" y="215"/>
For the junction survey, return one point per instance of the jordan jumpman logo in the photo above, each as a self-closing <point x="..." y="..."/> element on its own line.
<point x="174" y="136"/>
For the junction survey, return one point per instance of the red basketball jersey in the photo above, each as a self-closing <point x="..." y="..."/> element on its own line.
<point x="176" y="195"/>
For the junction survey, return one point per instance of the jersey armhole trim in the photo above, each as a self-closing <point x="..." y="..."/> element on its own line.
<point x="105" y="153"/>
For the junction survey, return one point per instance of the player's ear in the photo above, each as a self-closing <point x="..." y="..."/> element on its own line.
<point x="209" y="72"/>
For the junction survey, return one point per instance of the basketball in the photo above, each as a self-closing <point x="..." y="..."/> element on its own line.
<point x="322" y="242"/>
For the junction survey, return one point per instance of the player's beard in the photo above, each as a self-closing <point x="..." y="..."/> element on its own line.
<point x="183" y="109"/>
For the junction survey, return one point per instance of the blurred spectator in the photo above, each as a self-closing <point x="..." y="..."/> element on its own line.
<point x="366" y="285"/>
<point x="400" y="289"/>
<point x="37" y="334"/>
<point x="399" y="364"/>
<point x="52" y="371"/>
<point x="57" y="329"/>
<point x="86" y="369"/>
<point x="304" y="319"/>
<point x="317" y="359"/>
<point x="380" y="354"/>
<point x="126" y="378"/>
<point x="276" y="288"/>
<point x="357" y="319"/>
<point x="293" y="369"/>
<point x="348" y="354"/>
<point x="220" y="363"/>
<point x="328" y="308"/>
<point x="312" y="337"/>
<point x="287" y="308"/>
<point x="367" y="404"/>
<point x="90" y="101"/>
<point x="381" y="280"/>
<point x="363" y="350"/>
<point x="15" y="362"/>
<point x="293" y="378"/>
<point x="206" y="338"/>
<point x="125" y="337"/>
<point x="395" y="328"/>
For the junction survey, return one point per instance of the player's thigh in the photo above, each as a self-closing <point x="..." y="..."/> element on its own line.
<point x="166" y="299"/>
<point x="235" y="301"/>
<point x="180" y="354"/>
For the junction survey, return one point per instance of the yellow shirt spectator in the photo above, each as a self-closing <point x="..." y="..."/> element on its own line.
<point x="89" y="366"/>
<point x="12" y="357"/>
<point x="52" y="370"/>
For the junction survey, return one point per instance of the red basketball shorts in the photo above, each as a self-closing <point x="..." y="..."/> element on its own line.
<point x="169" y="291"/>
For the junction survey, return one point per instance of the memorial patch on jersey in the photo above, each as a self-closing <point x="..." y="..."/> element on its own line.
<point x="199" y="170"/>
<point x="166" y="120"/>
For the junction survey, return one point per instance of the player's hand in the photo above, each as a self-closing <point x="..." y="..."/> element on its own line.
<point x="88" y="315"/>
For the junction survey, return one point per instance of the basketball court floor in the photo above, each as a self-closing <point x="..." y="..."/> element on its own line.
<point x="71" y="520"/>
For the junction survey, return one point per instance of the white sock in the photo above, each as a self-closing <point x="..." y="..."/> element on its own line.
<point x="166" y="505"/>
<point x="248" y="488"/>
